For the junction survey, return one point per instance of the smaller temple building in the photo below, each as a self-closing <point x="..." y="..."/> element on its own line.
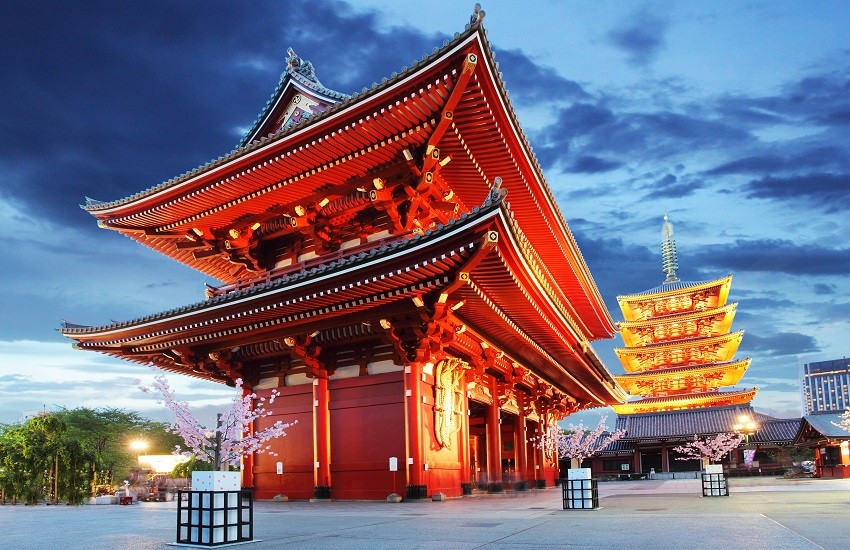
<point x="830" y="442"/>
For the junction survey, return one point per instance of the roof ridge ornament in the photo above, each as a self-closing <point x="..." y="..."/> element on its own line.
<point x="300" y="66"/>
<point x="669" y="258"/>
<point x="477" y="16"/>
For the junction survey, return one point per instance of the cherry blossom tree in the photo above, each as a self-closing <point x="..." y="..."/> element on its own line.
<point x="714" y="448"/>
<point x="231" y="439"/>
<point x="844" y="423"/>
<point x="577" y="442"/>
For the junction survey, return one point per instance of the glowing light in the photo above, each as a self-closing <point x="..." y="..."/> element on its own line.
<point x="138" y="444"/>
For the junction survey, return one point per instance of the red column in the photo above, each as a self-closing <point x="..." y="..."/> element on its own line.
<point x="322" y="432"/>
<point x="494" y="437"/>
<point x="521" y="436"/>
<point x="665" y="460"/>
<point x="414" y="424"/>
<point x="248" y="460"/>
<point x="464" y="434"/>
<point x="540" y="455"/>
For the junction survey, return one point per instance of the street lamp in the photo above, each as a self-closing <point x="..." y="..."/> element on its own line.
<point x="138" y="445"/>
<point x="746" y="426"/>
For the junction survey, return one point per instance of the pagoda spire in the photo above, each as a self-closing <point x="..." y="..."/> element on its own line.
<point x="669" y="259"/>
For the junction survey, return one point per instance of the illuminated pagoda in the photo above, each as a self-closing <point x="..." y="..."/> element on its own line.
<point x="394" y="264"/>
<point x="679" y="349"/>
<point x="680" y="352"/>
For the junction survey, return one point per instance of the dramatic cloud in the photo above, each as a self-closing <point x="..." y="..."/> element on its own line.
<point x="672" y="187"/>
<point x="783" y="343"/>
<point x="817" y="157"/>
<point x="530" y="83"/>
<point x="823" y="288"/>
<point x="831" y="192"/>
<point x="641" y="37"/>
<point x="114" y="98"/>
<point x="585" y="129"/>
<point x="775" y="255"/>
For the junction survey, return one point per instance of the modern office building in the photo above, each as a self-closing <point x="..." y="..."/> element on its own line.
<point x="825" y="385"/>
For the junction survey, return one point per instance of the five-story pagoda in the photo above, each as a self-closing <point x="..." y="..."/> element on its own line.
<point x="679" y="349"/>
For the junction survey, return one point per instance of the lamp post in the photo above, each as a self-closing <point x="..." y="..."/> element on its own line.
<point x="745" y="426"/>
<point x="138" y="445"/>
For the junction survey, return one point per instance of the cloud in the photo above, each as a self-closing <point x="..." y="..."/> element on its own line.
<point x="779" y="344"/>
<point x="587" y="129"/>
<point x="589" y="164"/>
<point x="822" y="157"/>
<point x="776" y="256"/>
<point x="830" y="192"/>
<point x="641" y="37"/>
<point x="36" y="375"/>
<point x="824" y="288"/>
<point x="115" y="98"/>
<point x="530" y="83"/>
<point x="671" y="187"/>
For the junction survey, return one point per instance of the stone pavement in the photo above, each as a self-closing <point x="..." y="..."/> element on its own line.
<point x="759" y="513"/>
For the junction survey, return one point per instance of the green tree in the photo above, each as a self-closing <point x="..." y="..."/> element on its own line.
<point x="64" y="454"/>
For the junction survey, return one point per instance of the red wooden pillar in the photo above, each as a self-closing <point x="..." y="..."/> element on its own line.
<point x="248" y="460"/>
<point x="521" y="437"/>
<point x="322" y="432"/>
<point x="494" y="437"/>
<point x="636" y="461"/>
<point x="665" y="460"/>
<point x="416" y="467"/>
<point x="464" y="434"/>
<point x="540" y="455"/>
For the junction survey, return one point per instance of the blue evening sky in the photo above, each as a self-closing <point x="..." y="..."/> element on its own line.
<point x="732" y="117"/>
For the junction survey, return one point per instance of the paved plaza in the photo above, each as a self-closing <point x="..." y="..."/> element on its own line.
<point x="759" y="513"/>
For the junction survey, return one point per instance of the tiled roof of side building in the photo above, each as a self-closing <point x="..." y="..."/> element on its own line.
<point x="681" y="423"/>
<point x="776" y="430"/>
<point x="825" y="424"/>
<point x="620" y="446"/>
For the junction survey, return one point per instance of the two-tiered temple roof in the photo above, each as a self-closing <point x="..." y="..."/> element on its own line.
<point x="339" y="216"/>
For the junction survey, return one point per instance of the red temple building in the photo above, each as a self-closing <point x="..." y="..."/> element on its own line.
<point x="394" y="264"/>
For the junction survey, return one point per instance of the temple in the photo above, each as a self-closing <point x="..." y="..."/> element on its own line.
<point x="394" y="263"/>
<point x="679" y="353"/>
<point x="679" y="349"/>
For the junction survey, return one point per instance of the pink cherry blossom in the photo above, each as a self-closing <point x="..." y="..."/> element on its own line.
<point x="236" y="440"/>
<point x="713" y="448"/>
<point x="578" y="442"/>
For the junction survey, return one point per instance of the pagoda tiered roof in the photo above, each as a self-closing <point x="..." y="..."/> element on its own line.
<point x="677" y="379"/>
<point x="704" y="322"/>
<point x="686" y="401"/>
<point x="690" y="351"/>
<point x="681" y="296"/>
